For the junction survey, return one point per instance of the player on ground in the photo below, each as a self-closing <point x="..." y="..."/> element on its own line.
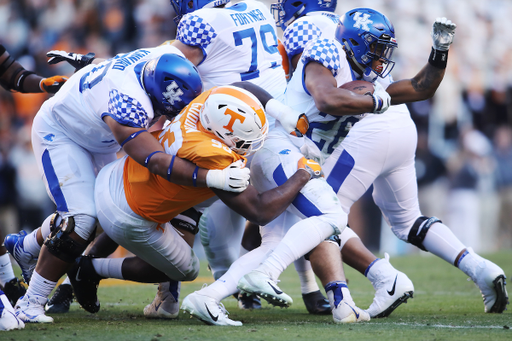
<point x="224" y="125"/>
<point x="100" y="109"/>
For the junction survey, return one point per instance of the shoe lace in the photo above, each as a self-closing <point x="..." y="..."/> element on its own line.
<point x="223" y="309"/>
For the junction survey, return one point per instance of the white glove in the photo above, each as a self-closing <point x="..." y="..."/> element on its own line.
<point x="443" y="31"/>
<point x="381" y="99"/>
<point x="293" y="122"/>
<point x="234" y="178"/>
<point x="76" y="60"/>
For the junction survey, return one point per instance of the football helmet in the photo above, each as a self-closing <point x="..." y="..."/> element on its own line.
<point x="182" y="7"/>
<point x="286" y="11"/>
<point x="171" y="82"/>
<point x="368" y="35"/>
<point x="236" y="117"/>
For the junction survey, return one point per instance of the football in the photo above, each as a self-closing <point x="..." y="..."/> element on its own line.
<point x="360" y="87"/>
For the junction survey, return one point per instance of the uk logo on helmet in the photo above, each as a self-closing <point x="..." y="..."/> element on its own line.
<point x="362" y="22"/>
<point x="173" y="93"/>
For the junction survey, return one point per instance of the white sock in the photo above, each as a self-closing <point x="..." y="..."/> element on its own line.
<point x="468" y="263"/>
<point x="441" y="242"/>
<point x="108" y="267"/>
<point x="40" y="285"/>
<point x="6" y="272"/>
<point x="299" y="240"/>
<point x="307" y="277"/>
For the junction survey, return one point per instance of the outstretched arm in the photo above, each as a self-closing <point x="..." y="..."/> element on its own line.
<point x="425" y="83"/>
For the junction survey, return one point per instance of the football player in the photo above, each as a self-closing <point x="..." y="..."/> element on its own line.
<point x="100" y="109"/>
<point x="224" y="125"/>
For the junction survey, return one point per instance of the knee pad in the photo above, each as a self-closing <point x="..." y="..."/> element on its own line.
<point x="59" y="243"/>
<point x="187" y="220"/>
<point x="419" y="230"/>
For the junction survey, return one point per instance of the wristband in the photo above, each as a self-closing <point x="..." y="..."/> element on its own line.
<point x="146" y="162"/>
<point x="194" y="176"/>
<point x="131" y="137"/>
<point x="438" y="59"/>
<point x="19" y="84"/>
<point x="169" y="170"/>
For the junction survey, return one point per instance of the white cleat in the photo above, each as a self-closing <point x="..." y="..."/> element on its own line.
<point x="258" y="283"/>
<point x="392" y="288"/>
<point x="31" y="309"/>
<point x="344" y="310"/>
<point x="166" y="303"/>
<point x="207" y="310"/>
<point x="8" y="319"/>
<point x="491" y="281"/>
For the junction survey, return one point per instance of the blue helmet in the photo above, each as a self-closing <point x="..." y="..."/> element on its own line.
<point x="367" y="35"/>
<point x="286" y="11"/>
<point x="182" y="7"/>
<point x="171" y="82"/>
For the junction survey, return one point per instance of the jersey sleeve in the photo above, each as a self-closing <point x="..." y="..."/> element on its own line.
<point x="195" y="31"/>
<point x="325" y="52"/>
<point x="298" y="34"/>
<point x="127" y="110"/>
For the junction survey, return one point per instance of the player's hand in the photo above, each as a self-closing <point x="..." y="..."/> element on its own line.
<point x="76" y="60"/>
<point x="381" y="99"/>
<point x="293" y="122"/>
<point x="52" y="84"/>
<point x="234" y="178"/>
<point x="443" y="31"/>
<point x="312" y="167"/>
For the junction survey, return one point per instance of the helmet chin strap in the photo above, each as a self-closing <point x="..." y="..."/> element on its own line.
<point x="370" y="75"/>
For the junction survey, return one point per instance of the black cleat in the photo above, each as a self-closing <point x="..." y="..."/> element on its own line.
<point x="316" y="303"/>
<point x="501" y="295"/>
<point x="85" y="281"/>
<point x="249" y="302"/>
<point x="14" y="289"/>
<point x="61" y="300"/>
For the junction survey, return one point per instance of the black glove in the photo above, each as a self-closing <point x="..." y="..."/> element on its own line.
<point x="76" y="60"/>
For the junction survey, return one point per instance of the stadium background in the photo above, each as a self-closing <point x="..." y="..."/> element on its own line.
<point x="464" y="157"/>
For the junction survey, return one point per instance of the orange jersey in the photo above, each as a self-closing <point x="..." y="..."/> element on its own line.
<point x="156" y="199"/>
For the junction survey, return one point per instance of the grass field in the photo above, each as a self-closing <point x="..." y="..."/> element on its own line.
<point x="445" y="307"/>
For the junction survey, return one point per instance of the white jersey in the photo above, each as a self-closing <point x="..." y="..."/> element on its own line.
<point x="110" y="88"/>
<point x="307" y="28"/>
<point x="239" y="43"/>
<point x="326" y="131"/>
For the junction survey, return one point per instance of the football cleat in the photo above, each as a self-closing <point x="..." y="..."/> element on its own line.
<point x="85" y="281"/>
<point x="165" y="305"/>
<point x="61" y="300"/>
<point x="258" y="283"/>
<point x="491" y="281"/>
<point x="14" y="245"/>
<point x="343" y="307"/>
<point x="316" y="303"/>
<point x="207" y="310"/>
<point x="8" y="319"/>
<point x="14" y="289"/>
<point x="392" y="288"/>
<point x="248" y="302"/>
<point x="31" y="309"/>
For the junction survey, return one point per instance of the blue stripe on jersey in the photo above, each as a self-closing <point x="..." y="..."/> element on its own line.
<point x="53" y="183"/>
<point x="193" y="31"/>
<point x="302" y="203"/>
<point x="126" y="110"/>
<point x="340" y="171"/>
<point x="298" y="35"/>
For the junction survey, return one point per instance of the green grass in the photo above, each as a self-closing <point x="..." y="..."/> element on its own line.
<point x="445" y="307"/>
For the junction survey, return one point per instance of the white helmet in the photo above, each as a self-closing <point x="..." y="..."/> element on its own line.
<point x="237" y="117"/>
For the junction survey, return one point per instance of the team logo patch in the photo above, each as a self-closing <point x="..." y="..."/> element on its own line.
<point x="362" y="22"/>
<point x="173" y="93"/>
<point x="285" y="152"/>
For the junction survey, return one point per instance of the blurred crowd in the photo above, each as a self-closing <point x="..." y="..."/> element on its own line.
<point x="464" y="157"/>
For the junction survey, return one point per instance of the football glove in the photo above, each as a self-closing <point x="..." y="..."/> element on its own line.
<point x="234" y="178"/>
<point x="293" y="122"/>
<point x="52" y="84"/>
<point x="312" y="167"/>
<point x="76" y="60"/>
<point x="381" y="99"/>
<point x="443" y="31"/>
